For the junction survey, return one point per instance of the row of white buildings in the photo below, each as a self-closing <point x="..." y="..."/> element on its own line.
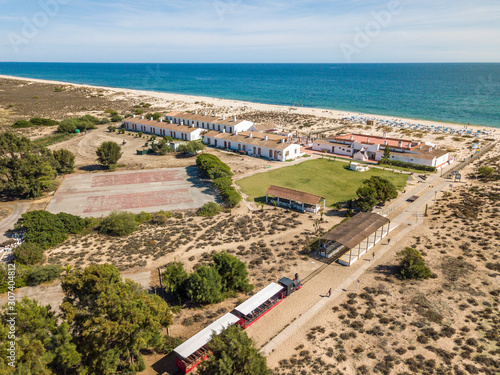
<point x="218" y="131"/>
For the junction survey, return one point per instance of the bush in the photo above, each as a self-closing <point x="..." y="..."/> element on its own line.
<point x="66" y="161"/>
<point x="174" y="279"/>
<point x="109" y="153"/>
<point x="116" y="118"/>
<point x="105" y="121"/>
<point x="486" y="172"/>
<point x="46" y="229"/>
<point x="112" y="128"/>
<point x="162" y="147"/>
<point x="412" y="265"/>
<point x="44" y="274"/>
<point x="221" y="174"/>
<point x="92" y="119"/>
<point x="208" y="209"/>
<point x="402" y="164"/>
<point x="28" y="253"/>
<point x="22" y="124"/>
<point x="38" y="121"/>
<point x="112" y="112"/>
<point x="119" y="224"/>
<point x="142" y="217"/>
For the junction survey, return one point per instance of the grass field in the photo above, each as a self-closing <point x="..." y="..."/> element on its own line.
<point x="327" y="178"/>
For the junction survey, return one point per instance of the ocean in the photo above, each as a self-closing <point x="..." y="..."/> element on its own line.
<point x="458" y="92"/>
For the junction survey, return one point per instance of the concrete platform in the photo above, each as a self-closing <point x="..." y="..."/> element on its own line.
<point x="97" y="194"/>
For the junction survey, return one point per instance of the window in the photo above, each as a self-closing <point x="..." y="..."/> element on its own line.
<point x="270" y="153"/>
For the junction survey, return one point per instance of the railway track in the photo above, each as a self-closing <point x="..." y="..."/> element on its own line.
<point x="320" y="269"/>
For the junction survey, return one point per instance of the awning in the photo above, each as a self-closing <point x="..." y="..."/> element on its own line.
<point x="259" y="298"/>
<point x="204" y="336"/>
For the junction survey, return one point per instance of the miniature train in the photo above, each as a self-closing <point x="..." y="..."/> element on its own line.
<point x="192" y="352"/>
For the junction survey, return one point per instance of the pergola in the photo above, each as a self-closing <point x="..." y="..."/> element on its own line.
<point x="350" y="240"/>
<point x="296" y="199"/>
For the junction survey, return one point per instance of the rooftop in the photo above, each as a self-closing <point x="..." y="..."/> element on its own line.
<point x="258" y="139"/>
<point x="163" y="125"/>
<point x="355" y="230"/>
<point x="294" y="195"/>
<point x="228" y="120"/>
<point x="377" y="140"/>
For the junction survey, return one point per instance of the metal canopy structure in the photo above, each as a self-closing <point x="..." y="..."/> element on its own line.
<point x="258" y="299"/>
<point x="355" y="230"/>
<point x="202" y="338"/>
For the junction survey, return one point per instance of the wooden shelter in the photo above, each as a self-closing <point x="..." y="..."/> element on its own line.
<point x="353" y="238"/>
<point x="295" y="199"/>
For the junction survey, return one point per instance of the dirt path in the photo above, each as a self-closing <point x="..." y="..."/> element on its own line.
<point x="18" y="208"/>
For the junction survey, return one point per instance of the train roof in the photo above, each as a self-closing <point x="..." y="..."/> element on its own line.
<point x="196" y="342"/>
<point x="258" y="299"/>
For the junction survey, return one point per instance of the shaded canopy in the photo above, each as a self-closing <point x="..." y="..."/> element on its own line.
<point x="356" y="229"/>
<point x="294" y="195"/>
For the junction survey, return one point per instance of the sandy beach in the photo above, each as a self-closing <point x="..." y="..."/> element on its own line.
<point x="191" y="102"/>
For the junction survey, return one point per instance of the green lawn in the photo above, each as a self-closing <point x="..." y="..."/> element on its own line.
<point x="327" y="178"/>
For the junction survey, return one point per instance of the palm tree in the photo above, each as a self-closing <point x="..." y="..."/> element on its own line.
<point x="261" y="204"/>
<point x="68" y="269"/>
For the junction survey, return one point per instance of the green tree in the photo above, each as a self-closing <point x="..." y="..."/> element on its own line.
<point x="384" y="188"/>
<point x="26" y="170"/>
<point x="233" y="352"/>
<point x="174" y="278"/>
<point x="116" y="118"/>
<point x="412" y="265"/>
<point x="109" y="153"/>
<point x="387" y="155"/>
<point x="367" y="198"/>
<point x="112" y="320"/>
<point x="66" y="160"/>
<point x="28" y="253"/>
<point x="204" y="286"/>
<point x="233" y="272"/>
<point x="162" y="147"/>
<point x="44" y="346"/>
<point x="119" y="224"/>
<point x="486" y="172"/>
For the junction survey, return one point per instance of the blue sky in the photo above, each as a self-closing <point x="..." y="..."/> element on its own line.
<point x="165" y="31"/>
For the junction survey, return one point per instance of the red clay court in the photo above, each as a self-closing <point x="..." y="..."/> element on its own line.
<point x="96" y="194"/>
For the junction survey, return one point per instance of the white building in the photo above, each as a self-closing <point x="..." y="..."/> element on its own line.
<point x="364" y="147"/>
<point x="161" y="128"/>
<point x="270" y="146"/>
<point x="209" y="122"/>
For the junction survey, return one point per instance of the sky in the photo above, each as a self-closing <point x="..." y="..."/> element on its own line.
<point x="244" y="31"/>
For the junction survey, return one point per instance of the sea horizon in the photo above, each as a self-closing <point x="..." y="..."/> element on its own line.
<point x="462" y="93"/>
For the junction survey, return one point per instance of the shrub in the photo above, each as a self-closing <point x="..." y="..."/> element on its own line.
<point x="38" y="121"/>
<point x="174" y="279"/>
<point x="162" y="147"/>
<point x="28" y="253"/>
<point x="233" y="273"/>
<point x="44" y="274"/>
<point x="402" y="164"/>
<point x="142" y="217"/>
<point x="116" y="118"/>
<point x="92" y="119"/>
<point x="112" y="112"/>
<point x="46" y="229"/>
<point x="109" y="153"/>
<point x="412" y="265"/>
<point x="208" y="209"/>
<point x="119" y="224"/>
<point x="112" y="128"/>
<point x="22" y="124"/>
<point x="66" y="161"/>
<point x="105" y="120"/>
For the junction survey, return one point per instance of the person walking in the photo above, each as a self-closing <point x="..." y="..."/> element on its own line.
<point x="329" y="292"/>
<point x="373" y="255"/>
<point x="388" y="241"/>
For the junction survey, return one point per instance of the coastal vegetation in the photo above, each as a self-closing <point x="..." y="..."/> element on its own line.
<point x="27" y="170"/>
<point x="233" y="352"/>
<point x="79" y="341"/>
<point x="221" y="175"/>
<point x="109" y="153"/>
<point x="411" y="166"/>
<point x="322" y="177"/>
<point x="375" y="190"/>
<point x="412" y="265"/>
<point x="208" y="283"/>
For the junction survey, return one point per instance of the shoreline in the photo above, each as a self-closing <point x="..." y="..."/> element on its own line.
<point x="240" y="104"/>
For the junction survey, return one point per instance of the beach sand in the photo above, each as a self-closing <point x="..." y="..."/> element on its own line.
<point x="191" y="102"/>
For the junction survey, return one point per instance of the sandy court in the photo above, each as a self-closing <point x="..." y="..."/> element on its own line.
<point x="98" y="194"/>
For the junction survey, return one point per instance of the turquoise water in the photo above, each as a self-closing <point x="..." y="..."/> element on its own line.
<point x="463" y="93"/>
